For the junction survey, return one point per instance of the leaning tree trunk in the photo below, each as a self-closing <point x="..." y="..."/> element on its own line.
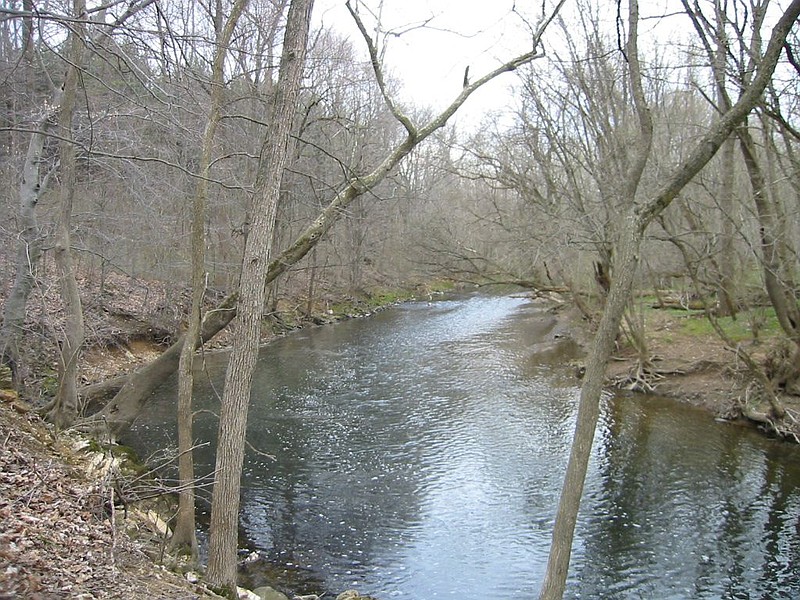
<point x="626" y="259"/>
<point x="127" y="404"/>
<point x="625" y="265"/>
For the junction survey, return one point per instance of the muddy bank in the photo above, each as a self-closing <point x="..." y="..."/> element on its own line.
<point x="696" y="369"/>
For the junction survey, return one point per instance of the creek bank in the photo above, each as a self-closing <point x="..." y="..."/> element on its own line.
<point x="686" y="367"/>
<point x="701" y="376"/>
<point x="66" y="533"/>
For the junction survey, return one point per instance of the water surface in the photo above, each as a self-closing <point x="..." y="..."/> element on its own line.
<point x="420" y="454"/>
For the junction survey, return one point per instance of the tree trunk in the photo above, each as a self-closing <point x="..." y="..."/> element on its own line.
<point x="184" y="534"/>
<point x="726" y="291"/>
<point x="563" y="532"/>
<point x="65" y="410"/>
<point x="625" y="264"/>
<point x="726" y="294"/>
<point x="782" y="299"/>
<point x="238" y="380"/>
<point x="29" y="246"/>
<point x="122" y="411"/>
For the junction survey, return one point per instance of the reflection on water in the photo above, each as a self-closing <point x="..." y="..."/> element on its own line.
<point x="420" y="454"/>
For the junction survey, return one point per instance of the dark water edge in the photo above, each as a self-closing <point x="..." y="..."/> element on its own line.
<point x="421" y="452"/>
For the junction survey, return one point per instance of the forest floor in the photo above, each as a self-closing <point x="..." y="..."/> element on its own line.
<point x="62" y="536"/>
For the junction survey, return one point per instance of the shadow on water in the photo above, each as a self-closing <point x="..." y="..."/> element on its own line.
<point x="420" y="454"/>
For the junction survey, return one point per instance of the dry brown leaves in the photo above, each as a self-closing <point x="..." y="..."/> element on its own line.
<point x="57" y="535"/>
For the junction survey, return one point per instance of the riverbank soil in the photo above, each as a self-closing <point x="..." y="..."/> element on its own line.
<point x="689" y="363"/>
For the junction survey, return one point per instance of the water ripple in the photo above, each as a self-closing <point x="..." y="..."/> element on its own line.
<point x="420" y="456"/>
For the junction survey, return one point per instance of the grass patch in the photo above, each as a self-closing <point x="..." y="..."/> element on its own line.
<point x="757" y="322"/>
<point x="380" y="298"/>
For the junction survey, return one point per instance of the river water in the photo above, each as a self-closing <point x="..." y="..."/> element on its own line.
<point x="419" y="454"/>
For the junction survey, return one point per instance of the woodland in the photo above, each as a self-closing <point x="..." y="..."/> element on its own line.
<point x="227" y="164"/>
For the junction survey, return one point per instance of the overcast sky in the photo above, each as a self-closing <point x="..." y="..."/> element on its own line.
<point x="430" y="60"/>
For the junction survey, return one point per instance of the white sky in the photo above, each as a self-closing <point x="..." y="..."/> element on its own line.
<point x="429" y="62"/>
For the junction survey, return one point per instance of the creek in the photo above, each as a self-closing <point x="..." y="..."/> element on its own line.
<point x="419" y="453"/>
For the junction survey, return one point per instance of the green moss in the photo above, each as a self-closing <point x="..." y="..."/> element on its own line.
<point x="225" y="592"/>
<point x="49" y="384"/>
<point x="380" y="298"/>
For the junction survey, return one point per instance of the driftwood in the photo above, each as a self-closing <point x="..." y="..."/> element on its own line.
<point x="679" y="304"/>
<point x="787" y="427"/>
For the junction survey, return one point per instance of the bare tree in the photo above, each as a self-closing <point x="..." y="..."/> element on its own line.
<point x="184" y="533"/>
<point x="52" y="119"/>
<point x="636" y="222"/>
<point x="65" y="408"/>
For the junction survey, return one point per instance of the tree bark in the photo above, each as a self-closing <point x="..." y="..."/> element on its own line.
<point x="641" y="216"/>
<point x="29" y="245"/>
<point x="65" y="409"/>
<point x="184" y="534"/>
<point x="238" y="379"/>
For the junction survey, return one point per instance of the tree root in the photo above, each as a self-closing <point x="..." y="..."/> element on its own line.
<point x="643" y="377"/>
<point x="783" y="423"/>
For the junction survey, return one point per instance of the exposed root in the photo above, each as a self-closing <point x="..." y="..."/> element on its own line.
<point x="761" y="410"/>
<point x="643" y="377"/>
